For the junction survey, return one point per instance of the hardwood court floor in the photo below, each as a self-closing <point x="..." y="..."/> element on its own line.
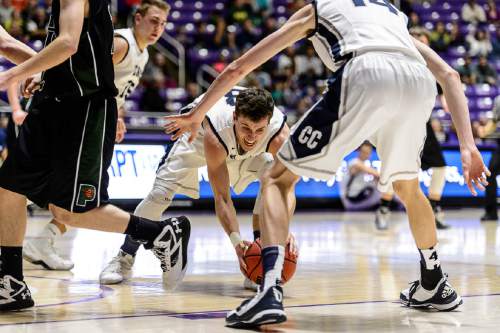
<point x="348" y="280"/>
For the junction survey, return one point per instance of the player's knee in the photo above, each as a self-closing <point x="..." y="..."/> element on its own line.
<point x="62" y="215"/>
<point x="407" y="189"/>
<point x="160" y="195"/>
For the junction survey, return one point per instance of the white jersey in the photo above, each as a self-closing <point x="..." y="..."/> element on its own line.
<point x="346" y="28"/>
<point x="179" y="170"/>
<point x="128" y="72"/>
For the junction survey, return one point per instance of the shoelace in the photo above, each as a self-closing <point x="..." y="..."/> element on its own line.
<point x="413" y="289"/>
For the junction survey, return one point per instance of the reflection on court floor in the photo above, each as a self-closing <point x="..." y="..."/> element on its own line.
<point x="348" y="280"/>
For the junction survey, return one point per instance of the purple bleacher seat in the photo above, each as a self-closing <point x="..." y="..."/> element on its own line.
<point x="484" y="103"/>
<point x="485" y="90"/>
<point x="456" y="52"/>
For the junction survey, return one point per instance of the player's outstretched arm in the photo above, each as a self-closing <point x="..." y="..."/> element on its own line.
<point x="65" y="45"/>
<point x="218" y="175"/>
<point x="296" y="28"/>
<point x="472" y="162"/>
<point x="12" y="49"/>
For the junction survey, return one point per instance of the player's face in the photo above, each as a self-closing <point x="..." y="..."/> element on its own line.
<point x="150" y="26"/>
<point x="365" y="152"/>
<point x="248" y="132"/>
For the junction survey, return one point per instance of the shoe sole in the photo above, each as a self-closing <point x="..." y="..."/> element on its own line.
<point x="267" y="317"/>
<point x="440" y="307"/>
<point x="16" y="307"/>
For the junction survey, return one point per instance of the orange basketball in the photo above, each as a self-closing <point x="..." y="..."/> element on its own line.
<point x="253" y="260"/>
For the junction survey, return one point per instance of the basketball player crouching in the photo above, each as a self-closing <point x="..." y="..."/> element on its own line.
<point x="239" y="137"/>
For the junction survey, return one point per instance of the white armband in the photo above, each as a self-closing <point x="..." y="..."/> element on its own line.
<point x="235" y="238"/>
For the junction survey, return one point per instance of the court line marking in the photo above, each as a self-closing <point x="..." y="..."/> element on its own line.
<point x="212" y="314"/>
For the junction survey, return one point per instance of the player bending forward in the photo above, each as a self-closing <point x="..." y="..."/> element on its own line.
<point x="381" y="91"/>
<point x="241" y="133"/>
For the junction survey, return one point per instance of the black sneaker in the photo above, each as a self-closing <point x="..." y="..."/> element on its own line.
<point x="171" y="247"/>
<point x="442" y="298"/>
<point x="266" y="307"/>
<point x="14" y="294"/>
<point x="439" y="217"/>
<point x="487" y="217"/>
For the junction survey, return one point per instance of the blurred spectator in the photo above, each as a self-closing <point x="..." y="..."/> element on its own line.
<point x="485" y="73"/>
<point x="466" y="71"/>
<point x="192" y="91"/>
<point x="309" y="63"/>
<point x="19" y="5"/>
<point x="437" y="127"/>
<point x="456" y="37"/>
<point x="155" y="67"/>
<point x="414" y="21"/>
<point x="440" y="39"/>
<point x="492" y="13"/>
<point x="264" y="78"/>
<point x="248" y="35"/>
<point x="479" y="44"/>
<point x="239" y="11"/>
<point x="286" y="59"/>
<point x="151" y="99"/>
<point x="36" y="25"/>
<point x="6" y="11"/>
<point x="270" y="25"/>
<point x="473" y="13"/>
<point x="496" y="44"/>
<point x="220" y="63"/>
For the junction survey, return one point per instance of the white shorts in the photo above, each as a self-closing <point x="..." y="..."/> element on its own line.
<point x="385" y="98"/>
<point x="178" y="169"/>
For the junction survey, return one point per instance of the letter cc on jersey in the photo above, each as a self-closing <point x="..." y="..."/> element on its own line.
<point x="310" y="137"/>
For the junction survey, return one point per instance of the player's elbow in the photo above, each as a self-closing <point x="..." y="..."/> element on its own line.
<point x="236" y="70"/>
<point x="449" y="75"/>
<point x="69" y="45"/>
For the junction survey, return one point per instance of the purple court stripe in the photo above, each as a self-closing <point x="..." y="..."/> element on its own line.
<point x="209" y="314"/>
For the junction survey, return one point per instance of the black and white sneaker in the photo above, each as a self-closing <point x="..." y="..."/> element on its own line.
<point x="266" y="307"/>
<point x="171" y="247"/>
<point x="14" y="294"/>
<point x="442" y="298"/>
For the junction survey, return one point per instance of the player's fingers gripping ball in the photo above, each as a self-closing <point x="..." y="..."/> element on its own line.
<point x="253" y="261"/>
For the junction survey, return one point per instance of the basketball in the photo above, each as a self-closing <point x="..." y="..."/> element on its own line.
<point x="253" y="260"/>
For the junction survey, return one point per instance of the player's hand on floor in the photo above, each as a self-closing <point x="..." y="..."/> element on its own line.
<point x="294" y="248"/>
<point x="240" y="249"/>
<point x="475" y="172"/>
<point x="182" y="123"/>
<point x="121" y="129"/>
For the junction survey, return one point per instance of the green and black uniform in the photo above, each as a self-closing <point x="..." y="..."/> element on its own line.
<point x="66" y="143"/>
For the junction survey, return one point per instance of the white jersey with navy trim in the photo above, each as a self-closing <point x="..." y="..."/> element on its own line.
<point x="345" y="28"/>
<point x="128" y="72"/>
<point x="178" y="172"/>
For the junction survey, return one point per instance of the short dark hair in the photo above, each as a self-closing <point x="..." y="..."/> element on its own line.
<point x="254" y="104"/>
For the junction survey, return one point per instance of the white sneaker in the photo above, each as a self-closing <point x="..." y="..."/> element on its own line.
<point x="43" y="252"/>
<point x="442" y="298"/>
<point x="118" y="269"/>
<point x="250" y="285"/>
<point x="382" y="217"/>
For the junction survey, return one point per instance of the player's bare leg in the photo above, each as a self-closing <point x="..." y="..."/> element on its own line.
<point x="278" y="185"/>
<point x="433" y="288"/>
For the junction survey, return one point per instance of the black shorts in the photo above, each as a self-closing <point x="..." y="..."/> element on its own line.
<point x="12" y="133"/>
<point x="432" y="155"/>
<point x="63" y="153"/>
